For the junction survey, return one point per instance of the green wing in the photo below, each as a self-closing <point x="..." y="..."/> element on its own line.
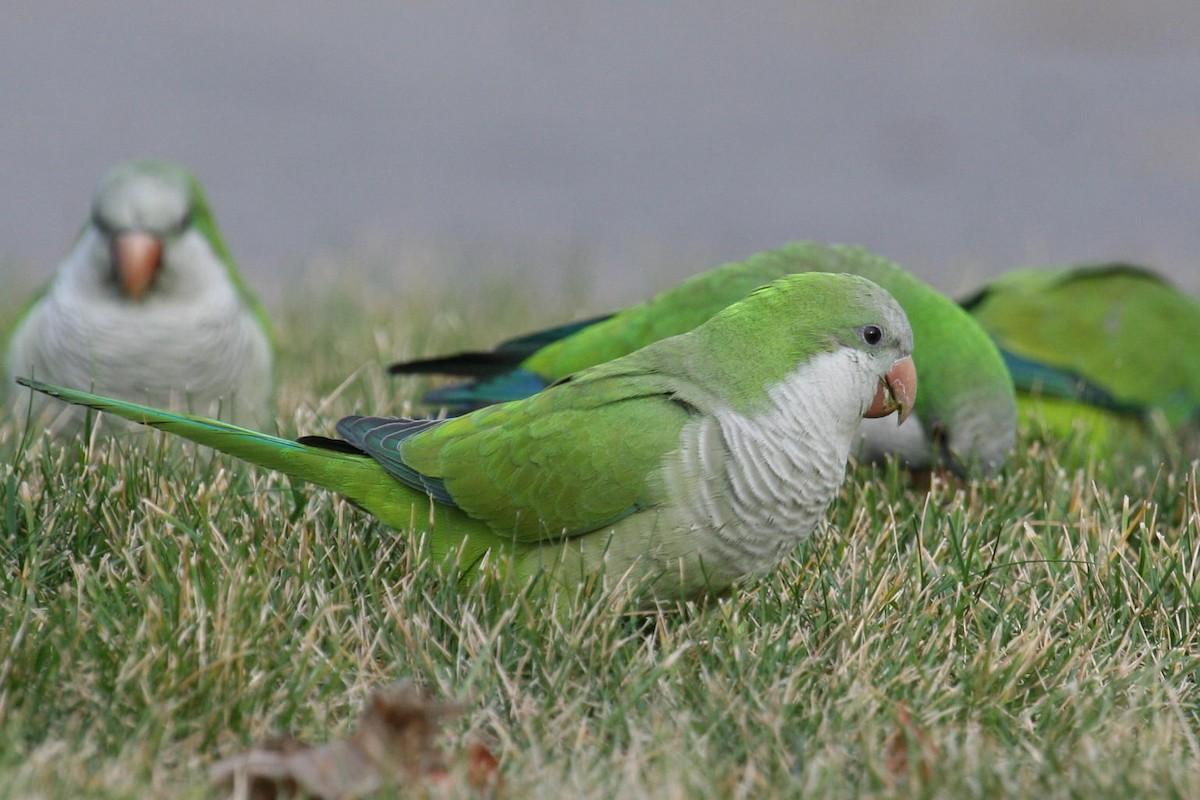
<point x="574" y="458"/>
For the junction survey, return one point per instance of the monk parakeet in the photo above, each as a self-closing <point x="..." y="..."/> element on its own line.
<point x="148" y="306"/>
<point x="965" y="416"/>
<point x="1103" y="347"/>
<point x="689" y="464"/>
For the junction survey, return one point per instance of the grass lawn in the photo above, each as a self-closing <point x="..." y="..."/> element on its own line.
<point x="162" y="607"/>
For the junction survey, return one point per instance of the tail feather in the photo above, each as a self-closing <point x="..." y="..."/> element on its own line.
<point x="326" y="466"/>
<point x="485" y="364"/>
<point x="460" y="398"/>
<point x="329" y="463"/>
<point x="530" y="343"/>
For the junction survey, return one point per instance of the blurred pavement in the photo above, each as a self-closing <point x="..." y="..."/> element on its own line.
<point x="958" y="138"/>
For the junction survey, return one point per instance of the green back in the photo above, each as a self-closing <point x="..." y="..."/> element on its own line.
<point x="1122" y="328"/>
<point x="675" y="310"/>
<point x="961" y="372"/>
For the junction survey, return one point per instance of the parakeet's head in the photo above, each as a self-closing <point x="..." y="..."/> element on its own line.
<point x="834" y="328"/>
<point x="151" y="230"/>
<point x="875" y="327"/>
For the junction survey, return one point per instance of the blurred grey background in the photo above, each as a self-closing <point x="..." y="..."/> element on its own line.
<point x="656" y="138"/>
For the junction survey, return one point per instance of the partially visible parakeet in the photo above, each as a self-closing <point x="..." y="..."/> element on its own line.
<point x="148" y="306"/>
<point x="689" y="464"/>
<point x="966" y="414"/>
<point x="1105" y="347"/>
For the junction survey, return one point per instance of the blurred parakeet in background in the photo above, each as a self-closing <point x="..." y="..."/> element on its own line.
<point x="148" y="306"/>
<point x="1104" y="351"/>
<point x="965" y="415"/>
<point x="689" y="464"/>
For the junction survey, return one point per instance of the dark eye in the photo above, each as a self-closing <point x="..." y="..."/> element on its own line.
<point x="186" y="222"/>
<point x="871" y="334"/>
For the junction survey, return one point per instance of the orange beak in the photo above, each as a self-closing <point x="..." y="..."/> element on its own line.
<point x="897" y="391"/>
<point x="136" y="259"/>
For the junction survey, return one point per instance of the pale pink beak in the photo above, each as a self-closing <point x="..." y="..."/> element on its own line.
<point x="897" y="391"/>
<point x="136" y="259"/>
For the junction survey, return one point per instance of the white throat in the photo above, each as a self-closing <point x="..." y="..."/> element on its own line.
<point x="758" y="483"/>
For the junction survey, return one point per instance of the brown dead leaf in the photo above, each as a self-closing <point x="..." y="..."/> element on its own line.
<point x="393" y="745"/>
<point x="483" y="768"/>
<point x="907" y="741"/>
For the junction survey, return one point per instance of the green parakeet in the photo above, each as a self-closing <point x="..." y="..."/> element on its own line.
<point x="689" y="464"/>
<point x="1102" y="347"/>
<point x="148" y="306"/>
<point x="965" y="415"/>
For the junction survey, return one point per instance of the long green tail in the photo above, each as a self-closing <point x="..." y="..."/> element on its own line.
<point x="356" y="476"/>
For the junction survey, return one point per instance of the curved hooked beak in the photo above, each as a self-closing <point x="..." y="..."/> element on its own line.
<point x="897" y="391"/>
<point x="136" y="258"/>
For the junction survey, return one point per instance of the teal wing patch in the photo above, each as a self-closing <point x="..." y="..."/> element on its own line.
<point x="460" y="397"/>
<point x="1035" y="377"/>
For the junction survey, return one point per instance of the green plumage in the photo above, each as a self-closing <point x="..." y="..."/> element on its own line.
<point x="611" y="429"/>
<point x="1106" y="347"/>
<point x="966" y="403"/>
<point x="579" y="477"/>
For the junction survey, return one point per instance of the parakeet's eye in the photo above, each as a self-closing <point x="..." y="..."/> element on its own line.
<point x="871" y="334"/>
<point x="185" y="223"/>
